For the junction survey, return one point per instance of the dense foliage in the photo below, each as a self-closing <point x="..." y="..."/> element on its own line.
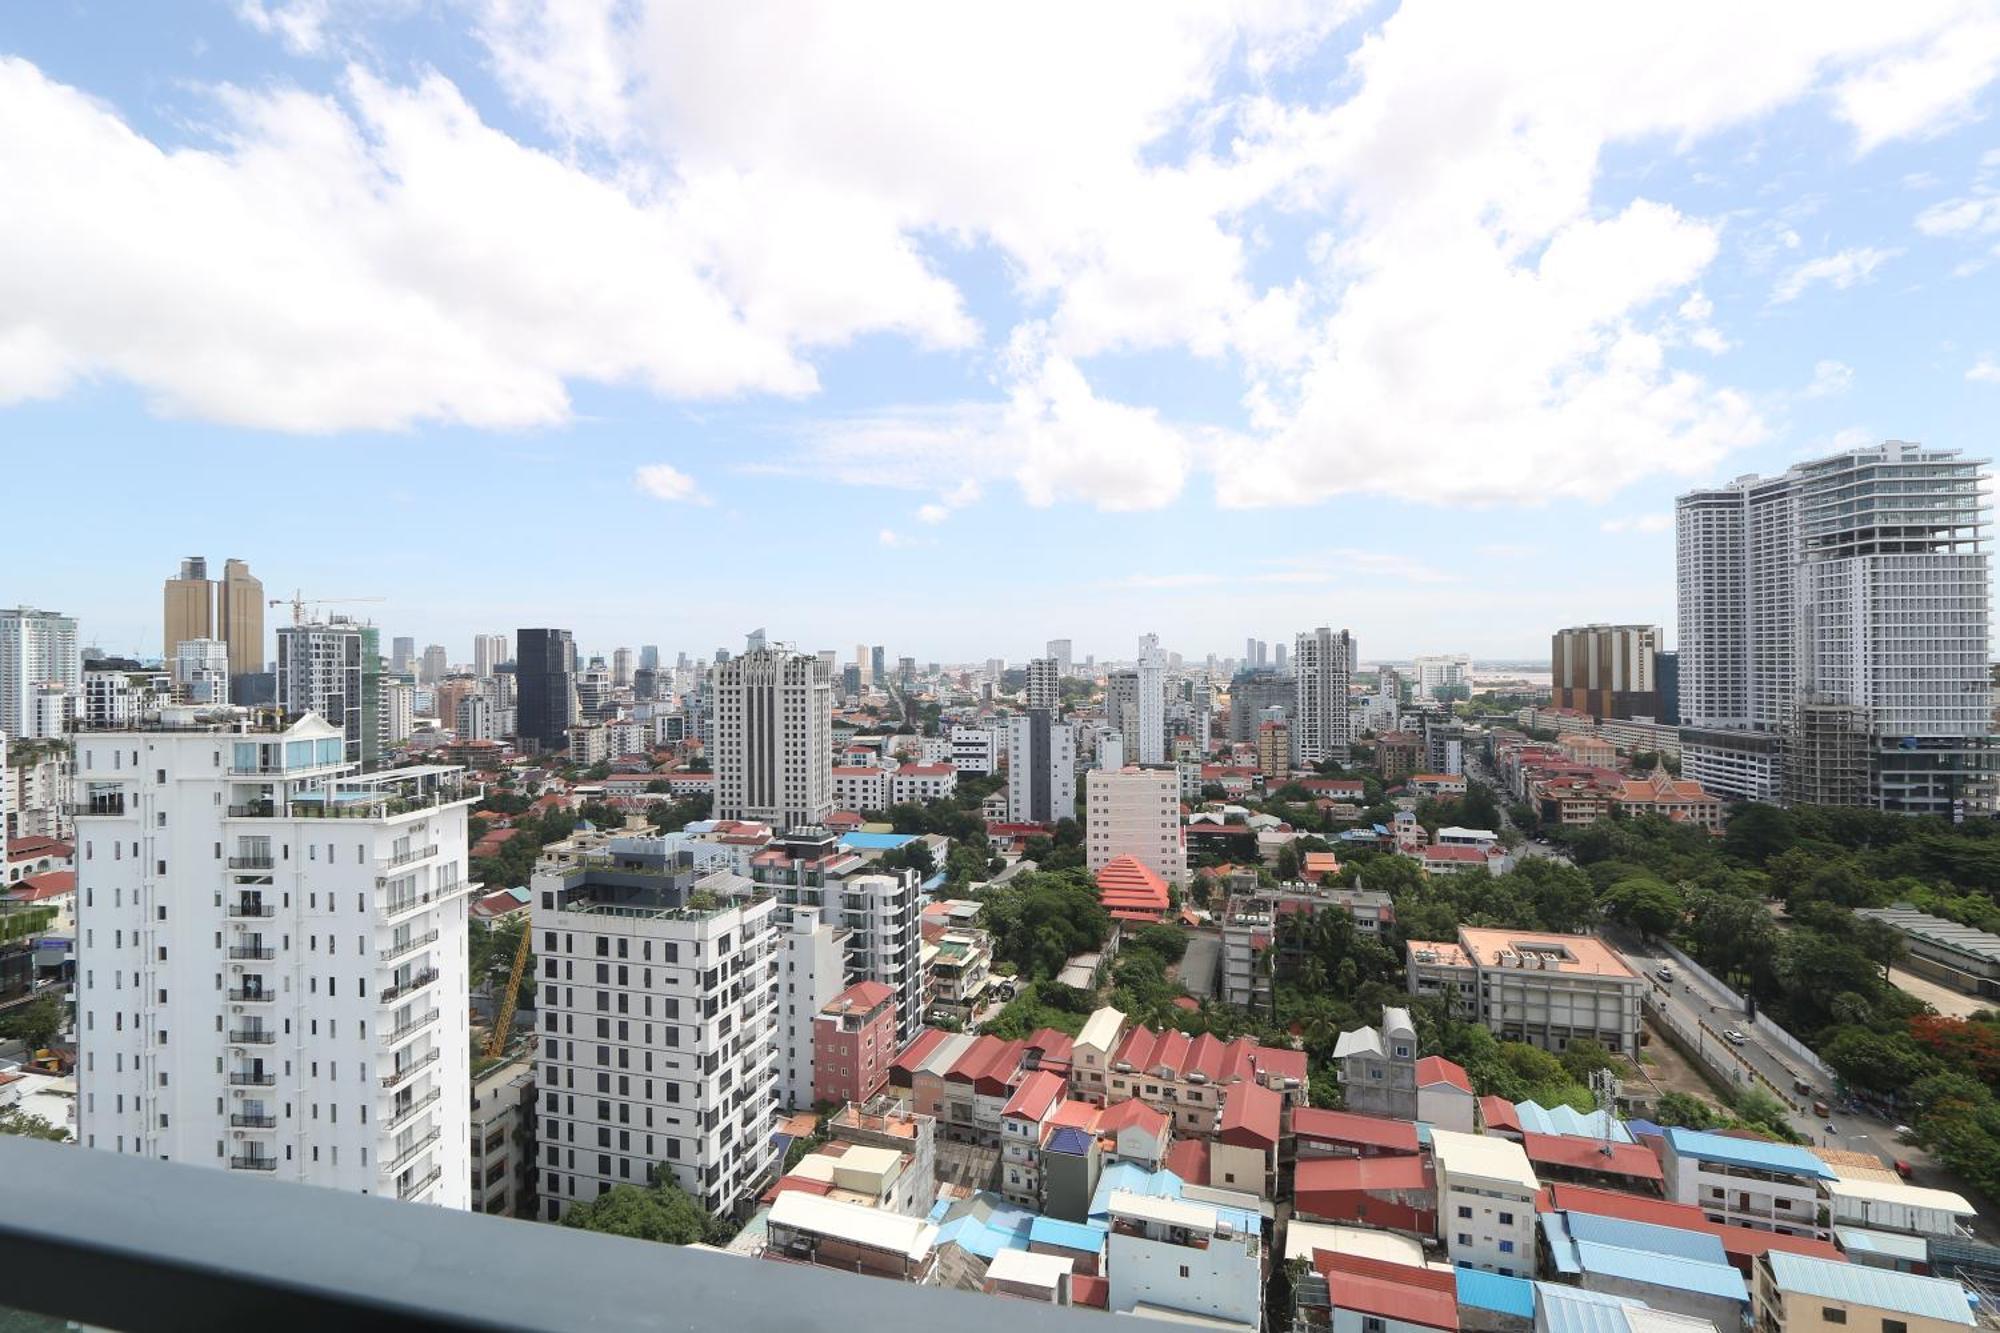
<point x="1042" y="918"/>
<point x="662" y="1211"/>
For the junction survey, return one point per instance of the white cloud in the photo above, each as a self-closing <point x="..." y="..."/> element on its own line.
<point x="663" y="481"/>
<point x="1985" y="371"/>
<point x="1830" y="378"/>
<point x="1840" y="270"/>
<point x="1640" y="523"/>
<point x="932" y="513"/>
<point x="1923" y="90"/>
<point x="300" y="24"/>
<point x="958" y="497"/>
<point x="1976" y="216"/>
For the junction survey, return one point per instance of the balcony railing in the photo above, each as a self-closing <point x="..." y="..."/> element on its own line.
<point x="414" y="1026"/>
<point x="244" y="907"/>
<point x="412" y="1188"/>
<point x="245" y="1079"/>
<point x="257" y="1163"/>
<point x="404" y="858"/>
<point x="258" y="995"/>
<point x="417" y="982"/>
<point x="254" y="953"/>
<point x="404" y="1073"/>
<point x="410" y="1154"/>
<point x="263" y="862"/>
<point x="403" y="1115"/>
<point x="410" y="945"/>
<point x="81" y="1242"/>
<point x="253" y="1121"/>
<point x="102" y="805"/>
<point x="252" y="1036"/>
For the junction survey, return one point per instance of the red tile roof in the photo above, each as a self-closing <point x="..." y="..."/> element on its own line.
<point x="1188" y="1159"/>
<point x="1373" y="1131"/>
<point x="989" y="1064"/>
<point x="1454" y="852"/>
<point x="27" y="849"/>
<point x="1499" y="1113"/>
<point x="48" y="884"/>
<point x="860" y="997"/>
<point x="1321" y="1175"/>
<point x="1132" y="891"/>
<point x="1436" y="1069"/>
<point x="1038" y="1092"/>
<point x="1618" y="1159"/>
<point x="1215" y="1060"/>
<point x="1252" y="1116"/>
<point x="1131" y="1112"/>
<point x="1388" y="1290"/>
<point x="918" y="1050"/>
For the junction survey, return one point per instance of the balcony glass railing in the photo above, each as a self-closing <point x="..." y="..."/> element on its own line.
<point x="253" y="1163"/>
<point x="261" y="861"/>
<point x="249" y="1121"/>
<point x="410" y="1189"/>
<point x="417" y="1148"/>
<point x="404" y="989"/>
<point x="252" y="1036"/>
<point x="252" y="995"/>
<point x="253" y="953"/>
<point x="410" y="945"/>
<point x="245" y="907"/>
<point x="403" y="1073"/>
<point x="248" y="1078"/>
<point x="414" y="1026"/>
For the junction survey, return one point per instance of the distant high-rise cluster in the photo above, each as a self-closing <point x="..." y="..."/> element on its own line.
<point x="545" y="678"/>
<point x="229" y="609"/>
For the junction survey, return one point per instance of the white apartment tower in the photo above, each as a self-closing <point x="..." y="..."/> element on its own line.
<point x="271" y="971"/>
<point x="1438" y="672"/>
<point x="814" y="970"/>
<point x="1044" y="684"/>
<point x="1322" y="665"/>
<point x="488" y="652"/>
<point x="1041" y="768"/>
<point x="1135" y="812"/>
<point x="1152" y="701"/>
<point x="659" y="1025"/>
<point x="332" y="669"/>
<point x="1061" y="651"/>
<point x="36" y="648"/>
<point x="201" y="671"/>
<point x="1833" y="633"/>
<point x="773" y="738"/>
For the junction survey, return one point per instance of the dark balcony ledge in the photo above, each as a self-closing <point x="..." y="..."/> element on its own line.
<point x="126" y="1242"/>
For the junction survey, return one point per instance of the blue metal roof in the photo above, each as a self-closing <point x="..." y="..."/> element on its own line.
<point x="1068" y="1139"/>
<point x="1881" y="1288"/>
<point x="1162" y="1184"/>
<point x="1492" y="1291"/>
<point x="1539" y="1119"/>
<point x="984" y="1224"/>
<point x="1640" y="1128"/>
<point x="1562" y="1249"/>
<point x="1066" y="1235"/>
<point x="1701" y="1246"/>
<point x="1662" y="1270"/>
<point x="1888" y="1244"/>
<point x="1752" y="1153"/>
<point x="876" y="842"/>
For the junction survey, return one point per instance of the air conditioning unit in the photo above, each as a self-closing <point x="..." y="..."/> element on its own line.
<point x="235" y="1008"/>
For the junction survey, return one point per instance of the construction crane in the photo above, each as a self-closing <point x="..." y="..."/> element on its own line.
<point x="299" y="602"/>
<point x="503" y="1015"/>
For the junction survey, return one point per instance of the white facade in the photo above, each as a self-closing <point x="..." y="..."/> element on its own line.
<point x="110" y="699"/>
<point x="1135" y="812"/>
<point x="660" y="1026"/>
<point x="329" y="669"/>
<point x="201" y="671"/>
<point x="1428" y="675"/>
<point x="814" y="971"/>
<point x="1183" y="1256"/>
<point x="773" y="738"/>
<point x="1041" y="768"/>
<point x="488" y="652"/>
<point x="1151" y="706"/>
<point x="1486" y="1202"/>
<point x="860" y="787"/>
<point x="260" y="987"/>
<point x="975" y="751"/>
<point x="1322" y="666"/>
<point x="36" y="648"/>
<point x="1855" y="582"/>
<point x="399" y="710"/>
<point x="1044" y="684"/>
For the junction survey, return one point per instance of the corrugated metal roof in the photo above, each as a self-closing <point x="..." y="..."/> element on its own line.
<point x="1067" y="1235"/>
<point x="1571" y="1310"/>
<point x="1858" y="1284"/>
<point x="1538" y="1119"/>
<point x="1860" y="1240"/>
<point x="1753" y="1153"/>
<point x="1662" y="1270"/>
<point x="1491" y="1291"/>
<point x="1700" y="1246"/>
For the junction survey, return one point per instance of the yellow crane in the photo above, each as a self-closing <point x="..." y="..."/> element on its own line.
<point x="503" y="1016"/>
<point x="299" y="602"/>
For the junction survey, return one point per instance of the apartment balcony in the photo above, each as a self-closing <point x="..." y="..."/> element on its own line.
<point x="96" y="806"/>
<point x="256" y="1162"/>
<point x="404" y="1073"/>
<point x="413" y="1027"/>
<point x="412" y="1188"/>
<point x="82" y="1244"/>
<point x="262" y="862"/>
<point x="405" y="1114"/>
<point x="409" y="857"/>
<point x="243" y="1078"/>
<point x="244" y="907"/>
<point x="422" y="1145"/>
<point x="409" y="946"/>
<point x="256" y="953"/>
<point x="252" y="810"/>
<point x="253" y="995"/>
<point x="417" y="981"/>
<point x="252" y="1037"/>
<point x="253" y="1122"/>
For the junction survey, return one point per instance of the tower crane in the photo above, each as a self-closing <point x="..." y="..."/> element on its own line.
<point x="299" y="602"/>
<point x="503" y="1015"/>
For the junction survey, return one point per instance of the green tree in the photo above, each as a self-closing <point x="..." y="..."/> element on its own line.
<point x="13" y="1120"/>
<point x="1686" y="1109"/>
<point x="661" y="1212"/>
<point x="1651" y="906"/>
<point x="35" y="1023"/>
<point x="1287" y="867"/>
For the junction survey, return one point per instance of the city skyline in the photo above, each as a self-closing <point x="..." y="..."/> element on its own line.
<point x="1743" y="262"/>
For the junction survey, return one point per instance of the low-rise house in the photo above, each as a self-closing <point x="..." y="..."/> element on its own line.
<point x="1581" y="1161"/>
<point x="1189" y="1077"/>
<point x="808" y="1228"/>
<point x="1389" y="1193"/>
<point x="1377" y="1069"/>
<point x="854" y="1042"/>
<point x="1797" y="1294"/>
<point x="1747" y="1182"/>
<point x="1318" y="1132"/>
<point x="1444" y="1095"/>
<point x="1244" y="1155"/>
<point x="1378" y="1296"/>
<point x="1486" y="1192"/>
<point x="1132" y="892"/>
<point x="1684" y="1272"/>
<point x="1893" y="1206"/>
<point x="1168" y="1257"/>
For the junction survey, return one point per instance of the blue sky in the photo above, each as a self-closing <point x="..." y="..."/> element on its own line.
<point x="956" y="328"/>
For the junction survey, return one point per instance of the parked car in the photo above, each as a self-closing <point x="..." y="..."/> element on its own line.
<point x="1902" y="1168"/>
<point x="1733" y="1037"/>
<point x="1822" y="1110"/>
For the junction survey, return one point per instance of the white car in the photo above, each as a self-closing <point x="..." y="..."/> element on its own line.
<point x="1733" y="1037"/>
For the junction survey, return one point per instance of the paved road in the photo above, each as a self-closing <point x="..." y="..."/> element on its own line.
<point x="1951" y="1003"/>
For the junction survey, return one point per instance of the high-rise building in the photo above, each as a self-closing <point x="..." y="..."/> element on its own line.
<point x="668" y="981"/>
<point x="814" y="970"/>
<point x="335" y="669"/>
<point x="1135" y="812"/>
<point x="239" y="620"/>
<point x="403" y="655"/>
<point x="37" y="648"/>
<point x="544" y="666"/>
<point x="1152" y="701"/>
<point x="201" y="671"/>
<point x="621" y="666"/>
<point x="293" y="1004"/>
<point x="1278" y="658"/>
<point x="774" y="738"/>
<point x="1045" y="684"/>
<point x="189" y="607"/>
<point x="1434" y="675"/>
<point x="1060" y="649"/>
<point x="1252" y="694"/>
<point x="436" y="665"/>
<point x="488" y="652"/>
<point x="1607" y="671"/>
<point x="1323" y="665"/>
<point x="861" y="663"/>
<point x="1833" y="633"/>
<point x="649" y="656"/>
<point x="1041" y="768"/>
<point x="1274" y="748"/>
<point x="1667" y="676"/>
<point x="878" y="664"/>
<point x="399" y="710"/>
